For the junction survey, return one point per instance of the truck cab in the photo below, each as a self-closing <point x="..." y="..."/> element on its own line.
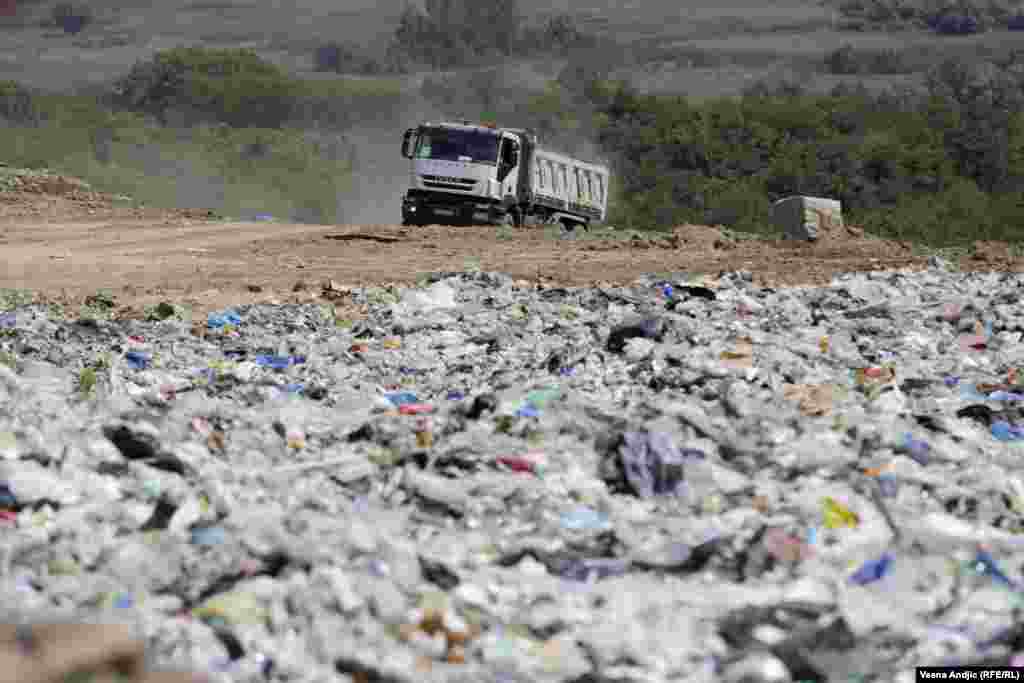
<point x="461" y="173"/>
<point x="464" y="174"/>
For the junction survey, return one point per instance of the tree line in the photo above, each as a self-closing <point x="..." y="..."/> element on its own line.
<point x="944" y="164"/>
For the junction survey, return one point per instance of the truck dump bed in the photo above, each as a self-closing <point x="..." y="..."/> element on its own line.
<point x="563" y="183"/>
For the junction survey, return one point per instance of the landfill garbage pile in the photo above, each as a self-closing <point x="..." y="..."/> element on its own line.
<point x="489" y="481"/>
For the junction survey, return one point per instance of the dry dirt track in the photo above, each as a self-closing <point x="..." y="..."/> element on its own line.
<point x="68" y="246"/>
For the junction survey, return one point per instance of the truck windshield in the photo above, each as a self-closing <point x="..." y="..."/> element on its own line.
<point x="457" y="145"/>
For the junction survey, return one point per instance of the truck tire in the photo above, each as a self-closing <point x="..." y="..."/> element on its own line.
<point x="512" y="218"/>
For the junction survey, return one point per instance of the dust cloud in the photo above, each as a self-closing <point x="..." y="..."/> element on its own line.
<point x="380" y="173"/>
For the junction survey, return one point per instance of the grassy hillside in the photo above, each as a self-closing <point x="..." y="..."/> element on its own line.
<point x="289" y="172"/>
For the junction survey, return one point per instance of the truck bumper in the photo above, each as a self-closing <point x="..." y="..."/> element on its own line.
<point x="422" y="207"/>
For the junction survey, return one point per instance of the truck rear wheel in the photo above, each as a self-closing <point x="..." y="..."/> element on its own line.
<point x="512" y="218"/>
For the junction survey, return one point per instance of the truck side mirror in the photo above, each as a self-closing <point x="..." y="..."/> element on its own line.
<point x="407" y="143"/>
<point x="513" y="157"/>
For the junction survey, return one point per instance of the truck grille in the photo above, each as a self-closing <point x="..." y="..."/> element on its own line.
<point x="448" y="182"/>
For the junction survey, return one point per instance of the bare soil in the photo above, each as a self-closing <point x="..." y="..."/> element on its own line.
<point x="65" y="243"/>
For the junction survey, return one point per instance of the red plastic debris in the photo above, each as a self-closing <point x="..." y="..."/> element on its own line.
<point x="416" y="408"/>
<point x="516" y="464"/>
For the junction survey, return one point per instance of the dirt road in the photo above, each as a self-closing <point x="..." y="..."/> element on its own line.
<point x="67" y="244"/>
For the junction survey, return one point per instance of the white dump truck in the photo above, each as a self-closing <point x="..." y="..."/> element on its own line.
<point x="464" y="174"/>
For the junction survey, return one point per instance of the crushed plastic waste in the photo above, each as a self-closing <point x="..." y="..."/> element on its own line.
<point x="402" y="398"/>
<point x="137" y="360"/>
<point x="917" y="449"/>
<point x="223" y="319"/>
<point x="276" y="362"/>
<point x="651" y="463"/>
<point x="872" y="570"/>
<point x="837" y="515"/>
<point x="485" y="480"/>
<point x="1004" y="431"/>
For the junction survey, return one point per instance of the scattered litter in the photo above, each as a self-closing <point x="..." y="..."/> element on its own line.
<point x="223" y="319"/>
<point x="812" y="400"/>
<point x="486" y="480"/>
<point x="872" y="570"/>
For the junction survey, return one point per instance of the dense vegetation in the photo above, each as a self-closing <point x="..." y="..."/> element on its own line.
<point x="942" y="16"/>
<point x="454" y="33"/>
<point x="941" y="166"/>
<point x="236" y="87"/>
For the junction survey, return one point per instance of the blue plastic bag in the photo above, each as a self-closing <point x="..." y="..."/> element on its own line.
<point x="1004" y="431"/>
<point x="583" y="518"/>
<point x="528" y="410"/>
<point x="917" y="449"/>
<point x="652" y="463"/>
<point x="275" y="362"/>
<point x="137" y="360"/>
<point x="402" y="398"/>
<point x="222" y="319"/>
<point x="597" y="568"/>
<point x="7" y="499"/>
<point x="986" y="564"/>
<point x="872" y="570"/>
<point x="208" y="536"/>
<point x="888" y="486"/>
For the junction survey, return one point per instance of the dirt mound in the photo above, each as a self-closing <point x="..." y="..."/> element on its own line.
<point x="991" y="252"/>
<point x="702" y="237"/>
<point x="50" y="184"/>
<point x="41" y="194"/>
<point x="692" y="238"/>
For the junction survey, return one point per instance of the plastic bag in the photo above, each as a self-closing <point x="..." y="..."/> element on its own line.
<point x="651" y="462"/>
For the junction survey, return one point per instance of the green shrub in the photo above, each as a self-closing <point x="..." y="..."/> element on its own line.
<point x="17" y="104"/>
<point x="344" y="58"/>
<point x="232" y="86"/>
<point x="847" y="60"/>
